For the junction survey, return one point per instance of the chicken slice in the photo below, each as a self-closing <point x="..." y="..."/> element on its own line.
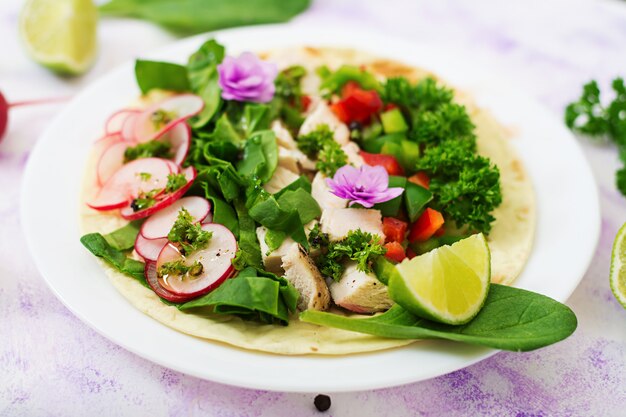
<point x="323" y="115"/>
<point x="282" y="177"/>
<point x="337" y="222"/>
<point x="321" y="193"/>
<point x="304" y="275"/>
<point x="294" y="160"/>
<point x="273" y="260"/>
<point x="360" y="291"/>
<point x="351" y="150"/>
<point x="283" y="136"/>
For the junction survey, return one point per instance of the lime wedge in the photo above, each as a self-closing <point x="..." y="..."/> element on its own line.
<point x="60" y="34"/>
<point x="448" y="284"/>
<point x="618" y="267"/>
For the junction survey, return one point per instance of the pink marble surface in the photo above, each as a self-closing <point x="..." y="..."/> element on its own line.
<point x="51" y="364"/>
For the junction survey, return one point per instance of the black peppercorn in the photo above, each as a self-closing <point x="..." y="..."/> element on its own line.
<point x="134" y="205"/>
<point x="322" y="402"/>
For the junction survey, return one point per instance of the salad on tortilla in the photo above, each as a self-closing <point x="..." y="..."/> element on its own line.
<point x="241" y="191"/>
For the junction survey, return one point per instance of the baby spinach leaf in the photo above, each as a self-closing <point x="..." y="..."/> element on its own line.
<point x="196" y="16"/>
<point x="124" y="238"/>
<point x="249" y="253"/>
<point x="511" y="319"/>
<point x="260" y="156"/>
<point x="203" y="78"/>
<point x="302" y="202"/>
<point x="161" y="75"/>
<point x="100" y="247"/>
<point x="301" y="183"/>
<point x="271" y="215"/>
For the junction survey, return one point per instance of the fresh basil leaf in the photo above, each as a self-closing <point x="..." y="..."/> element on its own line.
<point x="161" y="75"/>
<point x="511" y="319"/>
<point x="124" y="238"/>
<point x="196" y="16"/>
<point x="98" y="245"/>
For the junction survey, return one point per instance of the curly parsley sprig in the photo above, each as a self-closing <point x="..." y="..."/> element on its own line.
<point x="590" y="117"/>
<point x="320" y="144"/>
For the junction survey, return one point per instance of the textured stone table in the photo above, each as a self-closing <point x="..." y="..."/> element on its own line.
<point x="51" y="364"/>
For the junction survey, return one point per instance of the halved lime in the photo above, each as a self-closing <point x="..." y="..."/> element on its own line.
<point x="60" y="34"/>
<point x="448" y="284"/>
<point x="618" y="267"/>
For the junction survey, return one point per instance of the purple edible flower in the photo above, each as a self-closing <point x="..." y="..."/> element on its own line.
<point x="366" y="185"/>
<point x="247" y="78"/>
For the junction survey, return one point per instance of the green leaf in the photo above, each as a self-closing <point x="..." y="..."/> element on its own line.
<point x="334" y="81"/>
<point x="511" y="319"/>
<point x="302" y="182"/>
<point x="249" y="248"/>
<point x="203" y="78"/>
<point x="124" y="238"/>
<point x="271" y="215"/>
<point x="391" y="208"/>
<point x="161" y="75"/>
<point x="301" y="201"/>
<point x="415" y="199"/>
<point x="98" y="245"/>
<point x="196" y="16"/>
<point x="255" y="117"/>
<point x="260" y="156"/>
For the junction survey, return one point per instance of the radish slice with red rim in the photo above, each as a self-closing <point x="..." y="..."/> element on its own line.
<point x="150" y="273"/>
<point x="128" y="127"/>
<point x="208" y="219"/>
<point x="180" y="138"/>
<point x="111" y="160"/>
<point x="149" y="249"/>
<point x="162" y="200"/>
<point x="132" y="179"/>
<point x="175" y="109"/>
<point x="116" y="121"/>
<point x="160" y="224"/>
<point x="216" y="260"/>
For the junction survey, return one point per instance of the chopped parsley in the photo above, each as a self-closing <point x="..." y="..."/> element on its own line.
<point x="188" y="235"/>
<point x="175" y="182"/>
<point x="154" y="148"/>
<point x="590" y="117"/>
<point x="426" y="95"/>
<point x="161" y="118"/>
<point x="320" y="144"/>
<point x="179" y="268"/>
<point x="145" y="176"/>
<point x="318" y="239"/>
<point x="144" y="200"/>
<point x="358" y="246"/>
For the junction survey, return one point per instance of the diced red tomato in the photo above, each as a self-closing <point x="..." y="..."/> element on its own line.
<point x="410" y="253"/>
<point x="428" y="223"/>
<point x="305" y="102"/>
<point x="440" y="232"/>
<point x="395" y="251"/>
<point x="420" y="178"/>
<point x="389" y="162"/>
<point x="394" y="229"/>
<point x="356" y="104"/>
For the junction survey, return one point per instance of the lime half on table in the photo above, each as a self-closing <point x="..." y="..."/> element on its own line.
<point x="618" y="267"/>
<point x="448" y="284"/>
<point x="60" y="34"/>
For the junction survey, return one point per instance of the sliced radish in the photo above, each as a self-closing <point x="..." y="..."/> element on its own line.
<point x="128" y="128"/>
<point x="216" y="260"/>
<point x="149" y="249"/>
<point x="127" y="183"/>
<point x="160" y="224"/>
<point x="208" y="219"/>
<point x="163" y="201"/>
<point x="116" y="121"/>
<point x="180" y="138"/>
<point x="150" y="272"/>
<point x="111" y="160"/>
<point x="181" y="107"/>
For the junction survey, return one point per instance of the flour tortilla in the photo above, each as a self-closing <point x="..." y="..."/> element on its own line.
<point x="510" y="239"/>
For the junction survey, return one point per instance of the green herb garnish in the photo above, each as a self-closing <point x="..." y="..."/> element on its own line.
<point x="188" y="235"/>
<point x="358" y="246"/>
<point x="179" y="268"/>
<point x="144" y="200"/>
<point x="590" y="117"/>
<point x="318" y="239"/>
<point x="160" y="118"/>
<point x="152" y="149"/>
<point x="175" y="182"/>
<point x="287" y="83"/>
<point x="320" y="144"/>
<point x="465" y="186"/>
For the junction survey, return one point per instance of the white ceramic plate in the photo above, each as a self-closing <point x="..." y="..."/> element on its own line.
<point x="567" y="232"/>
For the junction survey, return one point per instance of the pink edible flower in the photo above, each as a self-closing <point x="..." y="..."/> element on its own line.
<point x="366" y="185"/>
<point x="247" y="78"/>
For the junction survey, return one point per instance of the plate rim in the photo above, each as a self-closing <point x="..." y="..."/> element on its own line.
<point x="27" y="197"/>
